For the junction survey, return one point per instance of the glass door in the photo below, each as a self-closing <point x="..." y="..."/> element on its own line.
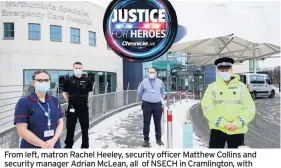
<point x="201" y="83"/>
<point x="191" y="83"/>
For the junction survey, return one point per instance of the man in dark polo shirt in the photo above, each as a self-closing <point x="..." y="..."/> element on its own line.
<point x="76" y="91"/>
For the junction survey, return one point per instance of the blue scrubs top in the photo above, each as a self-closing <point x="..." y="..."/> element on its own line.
<point x="28" y="111"/>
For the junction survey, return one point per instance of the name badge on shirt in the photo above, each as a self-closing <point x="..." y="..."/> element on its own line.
<point x="49" y="133"/>
<point x="152" y="91"/>
<point x="72" y="110"/>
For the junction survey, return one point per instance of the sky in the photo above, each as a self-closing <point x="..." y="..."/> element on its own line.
<point x="271" y="10"/>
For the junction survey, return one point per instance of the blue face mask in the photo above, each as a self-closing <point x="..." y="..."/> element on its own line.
<point x="225" y="75"/>
<point x="42" y="87"/>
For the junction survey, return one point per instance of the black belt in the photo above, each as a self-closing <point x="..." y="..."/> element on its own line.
<point x="150" y="102"/>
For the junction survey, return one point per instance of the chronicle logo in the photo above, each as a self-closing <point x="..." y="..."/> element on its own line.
<point x="140" y="30"/>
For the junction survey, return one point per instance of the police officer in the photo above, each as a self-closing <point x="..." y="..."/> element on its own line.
<point x="152" y="90"/>
<point x="39" y="117"/>
<point x="228" y="106"/>
<point x="76" y="91"/>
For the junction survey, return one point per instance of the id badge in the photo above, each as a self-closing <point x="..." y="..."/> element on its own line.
<point x="49" y="133"/>
<point x="72" y="110"/>
<point x="152" y="91"/>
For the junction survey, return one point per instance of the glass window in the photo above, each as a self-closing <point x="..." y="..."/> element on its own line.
<point x="28" y="76"/>
<point x="92" y="76"/>
<point x="109" y="81"/>
<point x="92" y="38"/>
<point x="253" y="79"/>
<point x="71" y="73"/>
<point x="28" y="88"/>
<point x="34" y="31"/>
<point x="101" y="76"/>
<point x="55" y="33"/>
<point x="75" y="35"/>
<point x="9" y="31"/>
<point x="243" y="78"/>
<point x="260" y="79"/>
<point x="114" y="82"/>
<point x="54" y="77"/>
<point x="62" y="76"/>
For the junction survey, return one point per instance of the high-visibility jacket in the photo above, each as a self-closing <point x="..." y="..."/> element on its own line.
<point x="223" y="103"/>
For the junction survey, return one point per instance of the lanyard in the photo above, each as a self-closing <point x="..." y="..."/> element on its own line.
<point x="151" y="84"/>
<point x="47" y="114"/>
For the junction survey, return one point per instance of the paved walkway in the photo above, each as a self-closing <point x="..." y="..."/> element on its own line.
<point x="264" y="130"/>
<point x="124" y="130"/>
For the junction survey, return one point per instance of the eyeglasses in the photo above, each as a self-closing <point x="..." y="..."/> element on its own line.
<point x="42" y="80"/>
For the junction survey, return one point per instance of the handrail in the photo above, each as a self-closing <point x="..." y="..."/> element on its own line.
<point x="98" y="105"/>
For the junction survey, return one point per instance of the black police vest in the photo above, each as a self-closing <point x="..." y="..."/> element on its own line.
<point x="78" y="89"/>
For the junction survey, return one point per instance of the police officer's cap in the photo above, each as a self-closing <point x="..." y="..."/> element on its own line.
<point x="224" y="63"/>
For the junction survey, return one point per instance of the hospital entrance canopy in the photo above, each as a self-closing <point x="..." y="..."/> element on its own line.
<point x="216" y="31"/>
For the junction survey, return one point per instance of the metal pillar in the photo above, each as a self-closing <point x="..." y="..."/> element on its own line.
<point x="169" y="129"/>
<point x="254" y="58"/>
<point x="174" y="100"/>
<point x="193" y="92"/>
<point x="169" y="111"/>
<point x="186" y="93"/>
<point x="168" y="81"/>
<point x="180" y="96"/>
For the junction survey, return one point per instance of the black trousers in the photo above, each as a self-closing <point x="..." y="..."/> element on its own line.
<point x="150" y="109"/>
<point x="219" y="138"/>
<point x="81" y="113"/>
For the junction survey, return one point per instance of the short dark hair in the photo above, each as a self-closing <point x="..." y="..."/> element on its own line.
<point x="40" y="71"/>
<point x="77" y="63"/>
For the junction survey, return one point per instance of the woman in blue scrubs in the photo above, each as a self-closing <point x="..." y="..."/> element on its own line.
<point x="39" y="117"/>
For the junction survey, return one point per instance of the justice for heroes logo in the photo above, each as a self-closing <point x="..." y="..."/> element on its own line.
<point x="144" y="22"/>
<point x="140" y="30"/>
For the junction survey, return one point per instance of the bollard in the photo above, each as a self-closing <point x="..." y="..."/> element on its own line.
<point x="174" y="97"/>
<point x="162" y="122"/>
<point x="187" y="135"/>
<point x="169" y="129"/>
<point x="180" y="96"/>
<point x="186" y="93"/>
<point x="193" y="92"/>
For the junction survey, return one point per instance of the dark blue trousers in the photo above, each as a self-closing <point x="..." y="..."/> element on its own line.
<point x="150" y="109"/>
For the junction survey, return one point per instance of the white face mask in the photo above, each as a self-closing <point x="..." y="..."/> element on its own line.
<point x="42" y="87"/>
<point x="225" y="75"/>
<point x="78" y="71"/>
<point x="151" y="76"/>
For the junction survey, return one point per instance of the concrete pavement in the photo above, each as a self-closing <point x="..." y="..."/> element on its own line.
<point x="264" y="130"/>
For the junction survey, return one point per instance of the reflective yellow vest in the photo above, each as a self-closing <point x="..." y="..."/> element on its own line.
<point x="232" y="103"/>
